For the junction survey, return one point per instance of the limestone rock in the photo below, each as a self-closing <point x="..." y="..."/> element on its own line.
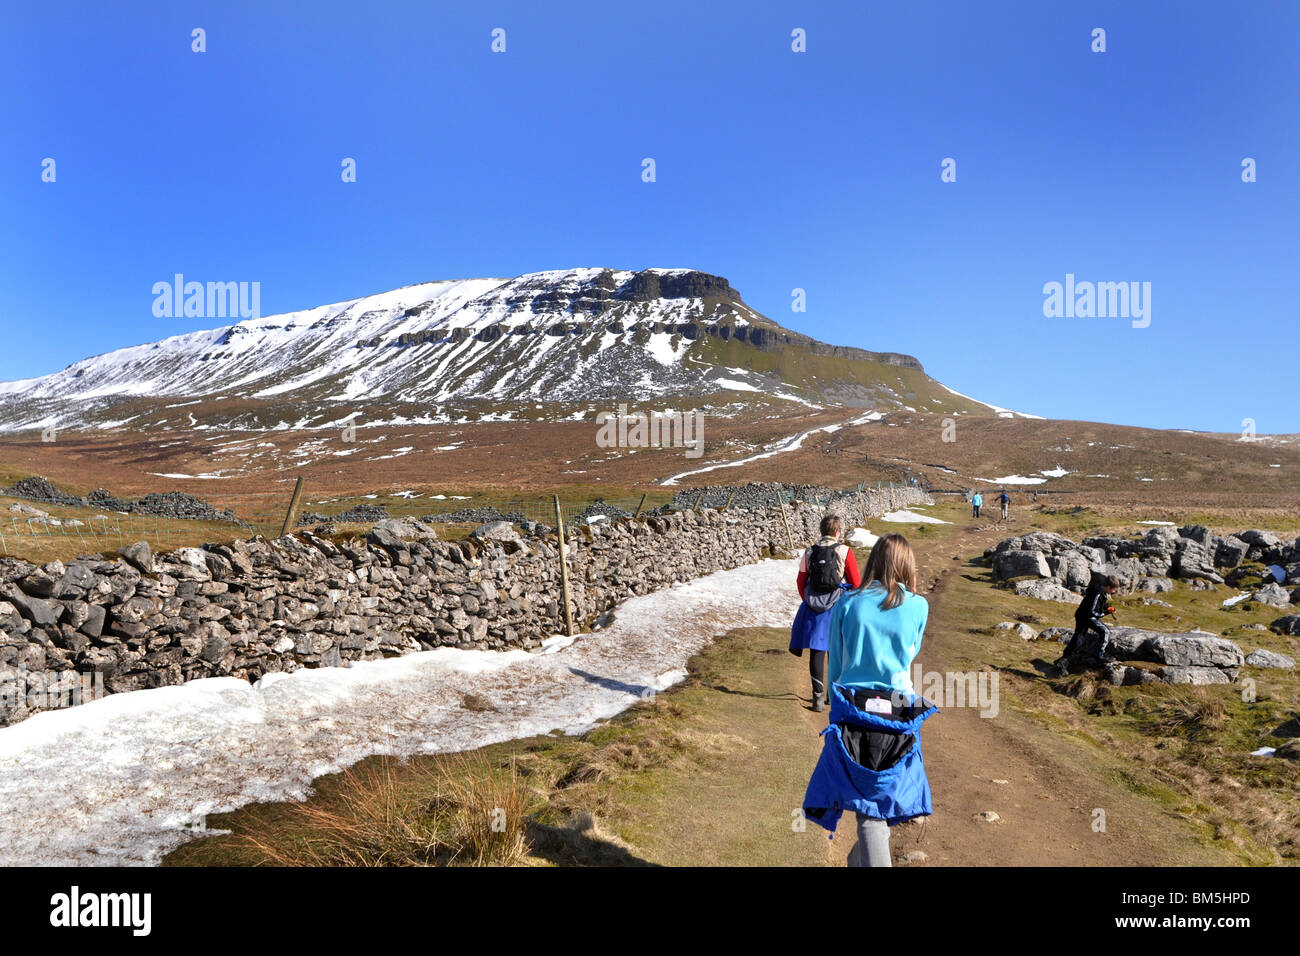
<point x="1047" y="591"/>
<point x="1263" y="658"/>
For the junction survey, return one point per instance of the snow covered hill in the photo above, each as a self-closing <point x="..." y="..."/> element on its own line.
<point x="495" y="347"/>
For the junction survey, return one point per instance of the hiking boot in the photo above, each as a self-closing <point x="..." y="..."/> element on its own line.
<point x="818" y="696"/>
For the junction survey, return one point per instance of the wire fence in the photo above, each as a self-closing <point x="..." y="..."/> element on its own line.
<point x="39" y="529"/>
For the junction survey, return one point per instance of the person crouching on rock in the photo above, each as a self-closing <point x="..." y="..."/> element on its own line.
<point x="824" y="570"/>
<point x="1088" y="618"/>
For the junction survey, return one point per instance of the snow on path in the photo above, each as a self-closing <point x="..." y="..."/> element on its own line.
<point x="792" y="443"/>
<point x="125" y="779"/>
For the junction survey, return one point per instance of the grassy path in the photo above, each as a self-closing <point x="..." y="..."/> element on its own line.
<point x="1043" y="785"/>
<point x="713" y="772"/>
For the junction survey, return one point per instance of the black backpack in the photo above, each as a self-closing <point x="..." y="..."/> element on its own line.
<point x="824" y="574"/>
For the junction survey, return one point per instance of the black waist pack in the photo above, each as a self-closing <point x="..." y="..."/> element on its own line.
<point x="879" y="749"/>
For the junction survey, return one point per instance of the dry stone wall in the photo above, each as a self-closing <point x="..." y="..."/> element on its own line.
<point x="253" y="607"/>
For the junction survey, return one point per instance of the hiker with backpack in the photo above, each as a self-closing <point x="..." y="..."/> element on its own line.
<point x="1004" y="499"/>
<point x="825" y="569"/>
<point x="977" y="502"/>
<point x="1088" y="618"/>
<point x="871" y="753"/>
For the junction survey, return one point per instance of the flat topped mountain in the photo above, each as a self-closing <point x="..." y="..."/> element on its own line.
<point x="476" y="348"/>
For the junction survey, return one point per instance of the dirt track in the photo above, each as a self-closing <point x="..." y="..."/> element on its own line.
<point x="1052" y="784"/>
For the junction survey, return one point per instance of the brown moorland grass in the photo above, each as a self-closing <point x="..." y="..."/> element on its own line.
<point x="1186" y="470"/>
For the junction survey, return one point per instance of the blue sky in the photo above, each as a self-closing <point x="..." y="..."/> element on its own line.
<point x="778" y="170"/>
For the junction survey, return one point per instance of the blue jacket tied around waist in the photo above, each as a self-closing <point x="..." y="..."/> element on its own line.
<point x="896" y="793"/>
<point x="812" y="628"/>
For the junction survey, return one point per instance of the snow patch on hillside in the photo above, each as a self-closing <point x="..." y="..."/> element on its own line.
<point x="793" y="443"/>
<point x="1002" y="412"/>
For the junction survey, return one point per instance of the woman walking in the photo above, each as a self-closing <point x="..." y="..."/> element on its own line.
<point x="871" y="756"/>
<point x="823" y="570"/>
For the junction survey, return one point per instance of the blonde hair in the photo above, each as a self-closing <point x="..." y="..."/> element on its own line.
<point x="890" y="568"/>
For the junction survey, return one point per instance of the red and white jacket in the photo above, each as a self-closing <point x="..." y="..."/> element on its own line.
<point x="848" y="563"/>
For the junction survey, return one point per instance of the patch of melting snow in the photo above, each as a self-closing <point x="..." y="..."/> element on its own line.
<point x="176" y="475"/>
<point x="1236" y="600"/>
<point x="736" y="385"/>
<point x="861" y="538"/>
<point x="397" y="453"/>
<point x="137" y="771"/>
<point x="913" y="517"/>
<point x="1014" y="480"/>
<point x="792" y="443"/>
<point x="1167" y="524"/>
<point x="1002" y="412"/>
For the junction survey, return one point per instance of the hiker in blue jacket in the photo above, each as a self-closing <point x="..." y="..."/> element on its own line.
<point x="976" y="503"/>
<point x="871" y="757"/>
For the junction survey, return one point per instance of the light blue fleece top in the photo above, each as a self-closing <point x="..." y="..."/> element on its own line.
<point x="870" y="646"/>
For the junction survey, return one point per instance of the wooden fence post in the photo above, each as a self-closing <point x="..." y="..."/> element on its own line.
<point x="727" y="506"/>
<point x="564" y="569"/>
<point x="292" y="513"/>
<point x="641" y="505"/>
<point x="780" y="500"/>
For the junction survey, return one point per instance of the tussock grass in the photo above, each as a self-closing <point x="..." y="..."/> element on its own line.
<point x="460" y="812"/>
<point x="1194" y="716"/>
